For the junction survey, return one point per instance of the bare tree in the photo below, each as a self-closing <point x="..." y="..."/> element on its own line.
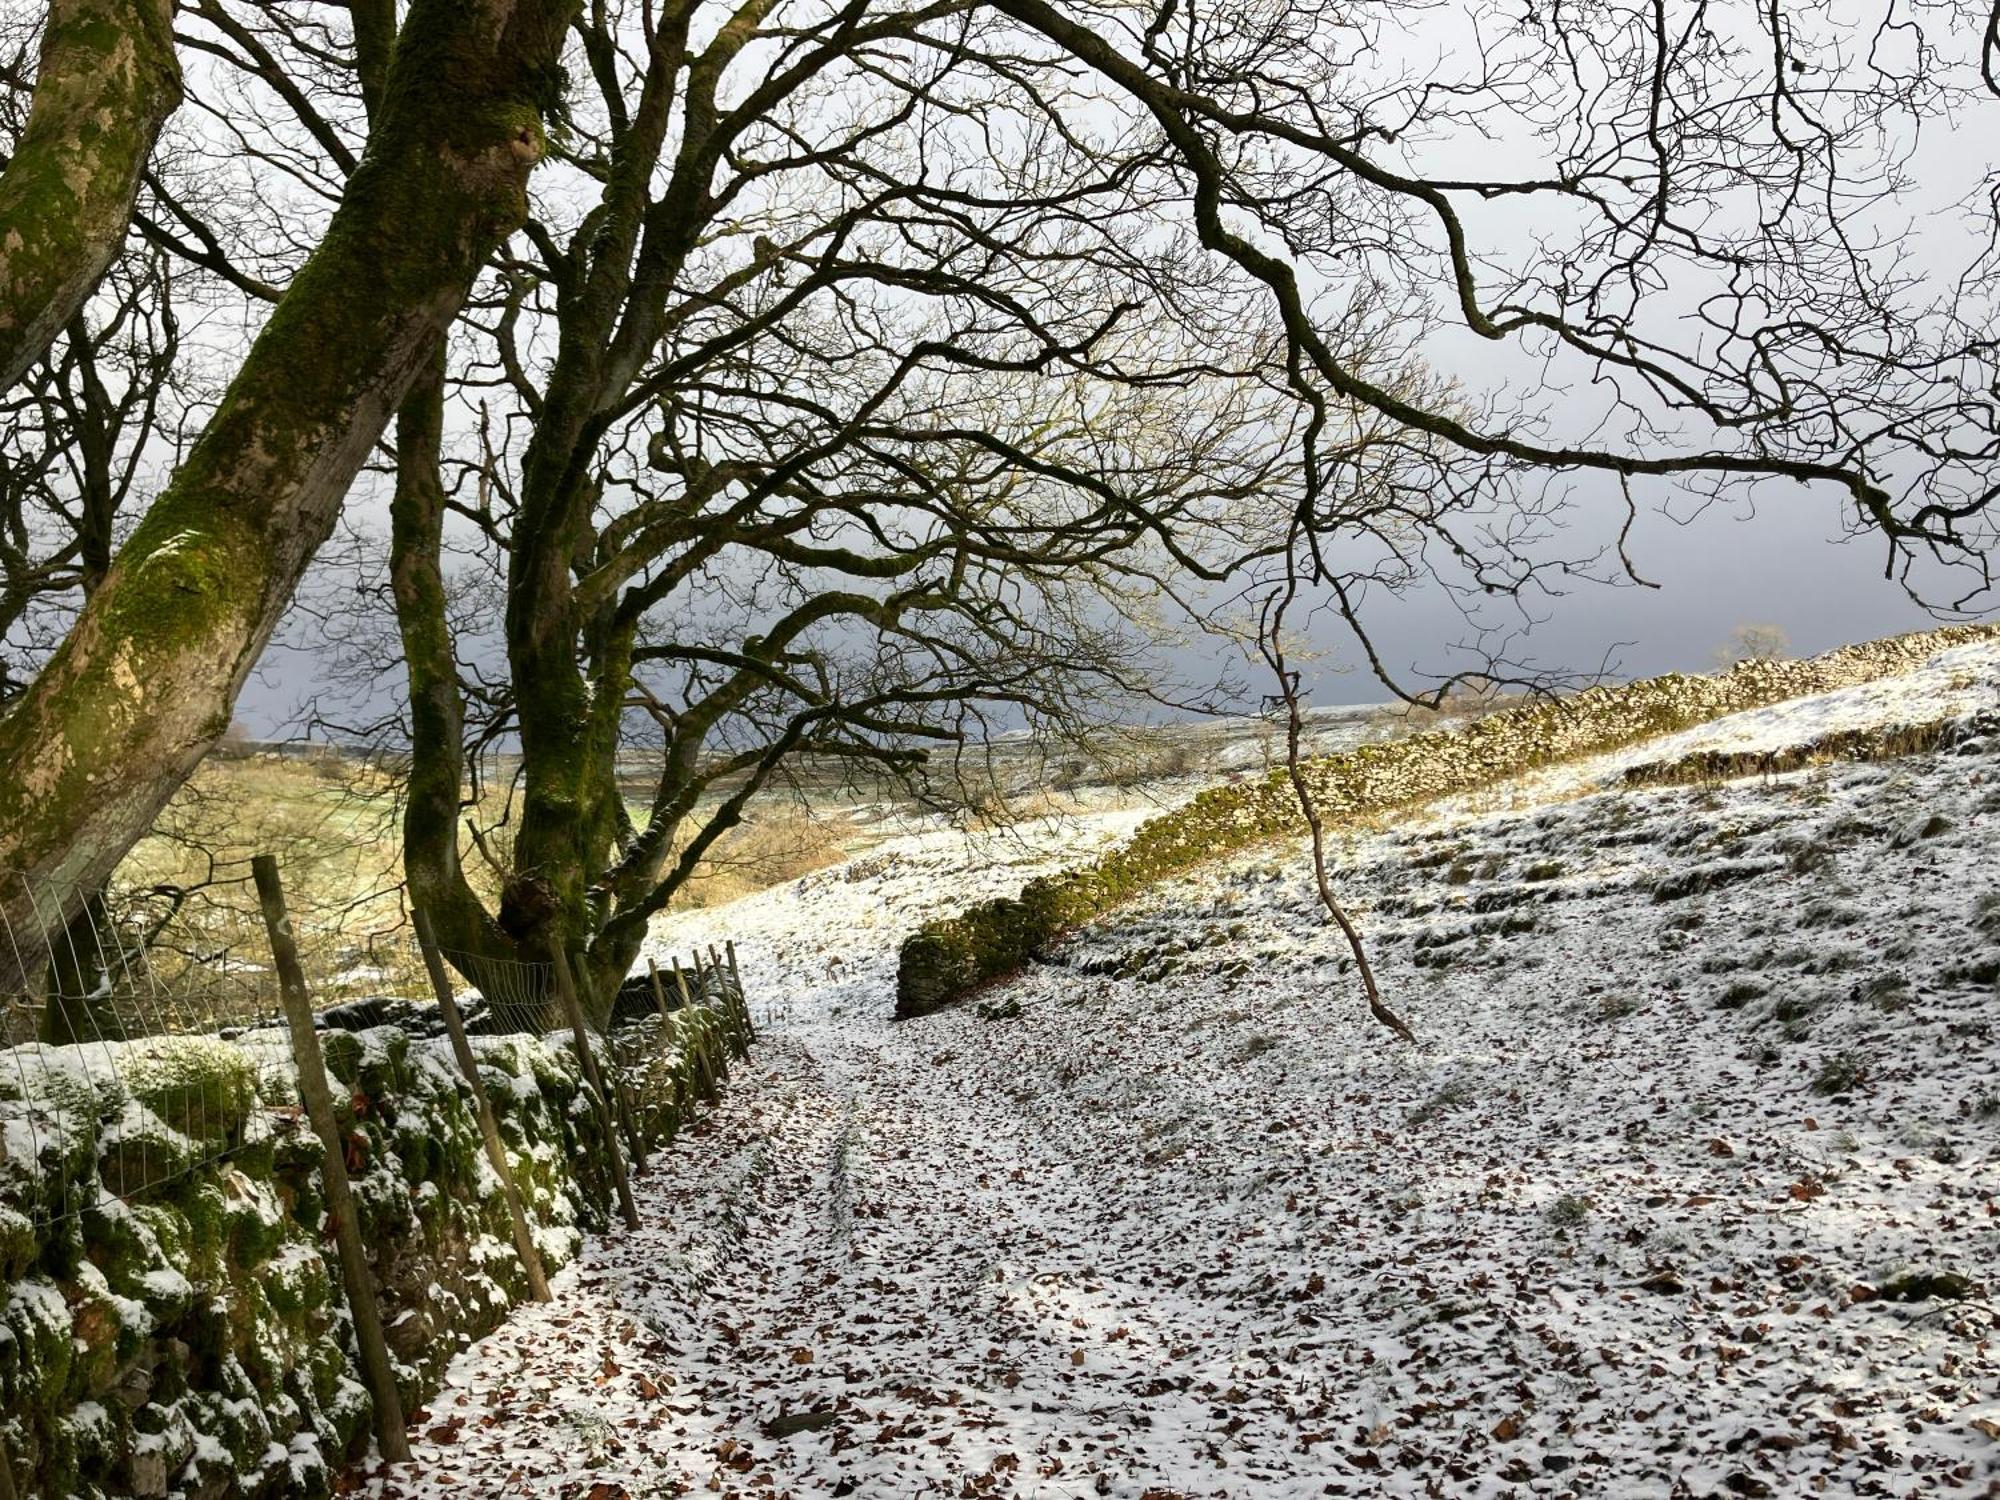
<point x="146" y="680"/>
<point x="1753" y="643"/>
<point x="84" y="432"/>
<point x="798" y="270"/>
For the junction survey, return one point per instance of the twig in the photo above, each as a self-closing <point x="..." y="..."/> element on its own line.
<point x="1270" y="641"/>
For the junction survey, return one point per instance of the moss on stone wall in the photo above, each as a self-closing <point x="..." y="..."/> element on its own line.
<point x="948" y="960"/>
<point x="175" y="1323"/>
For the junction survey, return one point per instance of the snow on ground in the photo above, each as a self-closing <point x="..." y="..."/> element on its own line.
<point x="1954" y="684"/>
<point x="1692" y="1188"/>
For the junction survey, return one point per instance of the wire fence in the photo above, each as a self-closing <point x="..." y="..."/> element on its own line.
<point x="115" y="1079"/>
<point x="130" y="1060"/>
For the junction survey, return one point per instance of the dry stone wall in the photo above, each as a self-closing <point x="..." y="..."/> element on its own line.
<point x="185" y="1333"/>
<point x="947" y="960"/>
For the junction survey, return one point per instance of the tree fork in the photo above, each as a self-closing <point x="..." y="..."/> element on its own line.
<point x="145" y="682"/>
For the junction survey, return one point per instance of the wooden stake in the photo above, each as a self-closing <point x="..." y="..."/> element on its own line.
<point x="669" y="1029"/>
<point x="375" y="1366"/>
<point x="713" y="979"/>
<point x="683" y="1076"/>
<point x="742" y="1000"/>
<point x="695" y="1073"/>
<point x="628" y="1095"/>
<point x="489" y="1129"/>
<point x="573" y="1009"/>
<point x="725" y="1002"/>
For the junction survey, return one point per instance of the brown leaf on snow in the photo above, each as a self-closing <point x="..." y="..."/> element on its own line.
<point x="1507" y="1428"/>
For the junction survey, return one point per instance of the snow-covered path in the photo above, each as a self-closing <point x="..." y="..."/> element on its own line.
<point x="1693" y="1189"/>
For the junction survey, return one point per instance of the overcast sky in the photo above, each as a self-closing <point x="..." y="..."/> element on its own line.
<point x="1786" y="565"/>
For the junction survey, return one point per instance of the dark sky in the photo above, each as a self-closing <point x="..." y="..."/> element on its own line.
<point x="1785" y="565"/>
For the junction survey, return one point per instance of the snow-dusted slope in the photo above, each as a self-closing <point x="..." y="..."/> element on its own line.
<point x="1707" y="1081"/>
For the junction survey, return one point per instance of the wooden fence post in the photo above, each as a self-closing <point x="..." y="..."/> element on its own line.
<point x="701" y="1075"/>
<point x="684" y="1083"/>
<point x="375" y="1366"/>
<point x="489" y="1128"/>
<point x="628" y="1094"/>
<point x="669" y="1030"/>
<point x="703" y="978"/>
<point x="742" y="1000"/>
<point x="725" y="1003"/>
<point x="594" y="1081"/>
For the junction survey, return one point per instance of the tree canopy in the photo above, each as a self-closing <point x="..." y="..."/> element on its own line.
<point x="846" y="373"/>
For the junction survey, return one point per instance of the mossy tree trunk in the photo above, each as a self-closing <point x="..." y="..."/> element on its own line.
<point x="572" y="817"/>
<point x="145" y="682"/>
<point x="467" y="935"/>
<point x="106" y="81"/>
<point x="571" y="649"/>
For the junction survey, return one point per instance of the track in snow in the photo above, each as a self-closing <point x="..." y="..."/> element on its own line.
<point x="1187" y="1225"/>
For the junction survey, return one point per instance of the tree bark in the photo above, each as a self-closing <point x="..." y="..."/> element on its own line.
<point x="145" y="682"/>
<point x="106" y="82"/>
<point x="78" y="1005"/>
<point x="466" y="935"/>
<point x="570" y="814"/>
<point x="437" y="712"/>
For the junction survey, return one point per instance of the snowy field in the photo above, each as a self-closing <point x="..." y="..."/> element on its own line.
<point x="1692" y="1187"/>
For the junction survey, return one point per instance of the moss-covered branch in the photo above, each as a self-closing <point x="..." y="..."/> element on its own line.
<point x="107" y="80"/>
